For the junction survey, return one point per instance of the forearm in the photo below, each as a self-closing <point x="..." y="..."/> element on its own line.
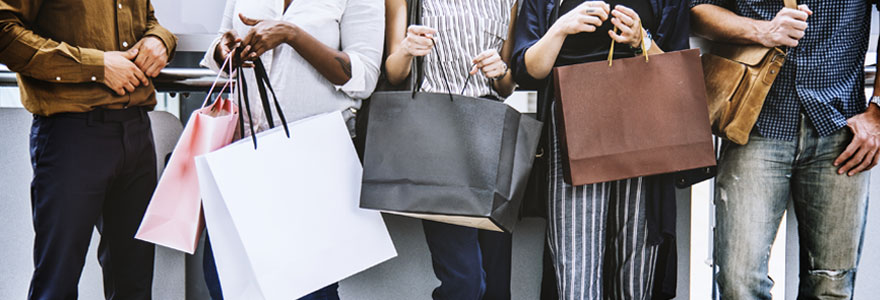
<point x="32" y="55"/>
<point x="717" y="23"/>
<point x="541" y="57"/>
<point x="333" y="64"/>
<point x="397" y="67"/>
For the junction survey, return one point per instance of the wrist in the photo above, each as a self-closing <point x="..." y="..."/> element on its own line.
<point x="293" y="33"/>
<point x="760" y="32"/>
<point x="555" y="32"/>
<point x="637" y="43"/>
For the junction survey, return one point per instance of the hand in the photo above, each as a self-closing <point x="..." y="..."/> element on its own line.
<point x="628" y="22"/>
<point x="152" y="56"/>
<point x="418" y="41"/>
<point x="490" y="63"/>
<point x="265" y="35"/>
<point x="584" y="18"/>
<point x="862" y="152"/>
<point x="786" y="29"/>
<point x="228" y="41"/>
<point x="120" y="73"/>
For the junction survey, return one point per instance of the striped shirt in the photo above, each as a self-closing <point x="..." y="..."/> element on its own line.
<point x="465" y="28"/>
<point x="824" y="75"/>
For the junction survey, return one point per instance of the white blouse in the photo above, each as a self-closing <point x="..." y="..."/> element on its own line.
<point x="356" y="27"/>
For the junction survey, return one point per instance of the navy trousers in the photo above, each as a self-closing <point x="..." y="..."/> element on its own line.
<point x="471" y="264"/>
<point x="212" y="280"/>
<point x="91" y="169"/>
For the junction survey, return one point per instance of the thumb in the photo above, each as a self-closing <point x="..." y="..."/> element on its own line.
<point x="248" y="21"/>
<point x="130" y="54"/>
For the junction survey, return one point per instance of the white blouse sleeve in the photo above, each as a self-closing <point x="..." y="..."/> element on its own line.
<point x="225" y="25"/>
<point x="362" y="32"/>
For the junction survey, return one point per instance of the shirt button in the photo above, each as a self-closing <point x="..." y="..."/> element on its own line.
<point x="120" y="5"/>
<point x="94" y="78"/>
<point x="58" y="78"/>
<point x="124" y="44"/>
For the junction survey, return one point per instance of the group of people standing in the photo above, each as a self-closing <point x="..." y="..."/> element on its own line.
<point x="85" y="70"/>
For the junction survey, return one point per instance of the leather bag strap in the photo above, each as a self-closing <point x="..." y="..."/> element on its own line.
<point x="791" y="4"/>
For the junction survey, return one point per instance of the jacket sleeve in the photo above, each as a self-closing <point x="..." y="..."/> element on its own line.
<point x="673" y="32"/>
<point x="154" y="29"/>
<point x="531" y="24"/>
<point x="25" y="52"/>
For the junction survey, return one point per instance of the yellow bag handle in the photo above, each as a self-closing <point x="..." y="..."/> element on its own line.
<point x="644" y="47"/>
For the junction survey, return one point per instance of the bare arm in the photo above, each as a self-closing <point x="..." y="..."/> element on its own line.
<point x="540" y="58"/>
<point x="720" y="24"/>
<point x="506" y="85"/>
<point x="333" y="64"/>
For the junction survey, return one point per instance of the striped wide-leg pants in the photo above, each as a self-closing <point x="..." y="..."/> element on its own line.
<point x="597" y="236"/>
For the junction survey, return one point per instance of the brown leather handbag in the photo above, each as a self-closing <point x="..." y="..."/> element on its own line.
<point x="738" y="78"/>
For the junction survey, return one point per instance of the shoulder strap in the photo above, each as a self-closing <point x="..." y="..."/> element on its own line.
<point x="791" y="4"/>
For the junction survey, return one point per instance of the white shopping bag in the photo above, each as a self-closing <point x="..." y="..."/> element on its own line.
<point x="284" y="218"/>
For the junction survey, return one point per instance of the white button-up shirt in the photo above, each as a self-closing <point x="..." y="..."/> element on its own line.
<point x="356" y="27"/>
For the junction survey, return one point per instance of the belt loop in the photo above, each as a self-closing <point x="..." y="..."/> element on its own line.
<point x="142" y="112"/>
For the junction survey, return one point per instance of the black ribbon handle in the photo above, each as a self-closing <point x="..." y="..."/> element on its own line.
<point x="243" y="99"/>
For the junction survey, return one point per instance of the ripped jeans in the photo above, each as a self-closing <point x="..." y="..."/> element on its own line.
<point x="753" y="186"/>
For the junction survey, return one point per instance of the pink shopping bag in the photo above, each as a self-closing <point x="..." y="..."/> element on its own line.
<point x="174" y="217"/>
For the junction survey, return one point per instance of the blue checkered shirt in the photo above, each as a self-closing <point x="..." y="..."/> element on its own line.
<point x="822" y="77"/>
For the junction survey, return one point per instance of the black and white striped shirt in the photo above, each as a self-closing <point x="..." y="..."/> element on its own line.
<point x="465" y="28"/>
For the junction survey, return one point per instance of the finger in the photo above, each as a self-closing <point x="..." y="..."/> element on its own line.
<point x="128" y="87"/>
<point x="867" y="161"/>
<point x="154" y="69"/>
<point x="874" y="160"/>
<point x="624" y="30"/>
<point x="590" y="20"/>
<point x="421" y="30"/>
<point x="420" y="52"/>
<point x="789" y="42"/>
<point x="602" y="14"/>
<point x="795" y="24"/>
<point x="483" y="56"/>
<point x="474" y="70"/>
<point x="794" y="14"/>
<point x="853" y="161"/>
<point x="848" y="152"/>
<point x="806" y="9"/>
<point x="618" y="38"/>
<point x="141" y="61"/>
<point x="248" y="21"/>
<point x="601" y="5"/>
<point x="140" y="77"/>
<point x="586" y="28"/>
<point x="627" y="20"/>
<point x="245" y="52"/>
<point x="796" y="34"/>
<point x="491" y="60"/>
<point x="130" y="54"/>
<point x="421" y="41"/>
<point x="119" y="90"/>
<point x="629" y="12"/>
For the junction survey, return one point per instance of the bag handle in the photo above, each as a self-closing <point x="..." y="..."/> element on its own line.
<point x="228" y="83"/>
<point x="262" y="83"/>
<point x="644" y="47"/>
<point x="791" y="4"/>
